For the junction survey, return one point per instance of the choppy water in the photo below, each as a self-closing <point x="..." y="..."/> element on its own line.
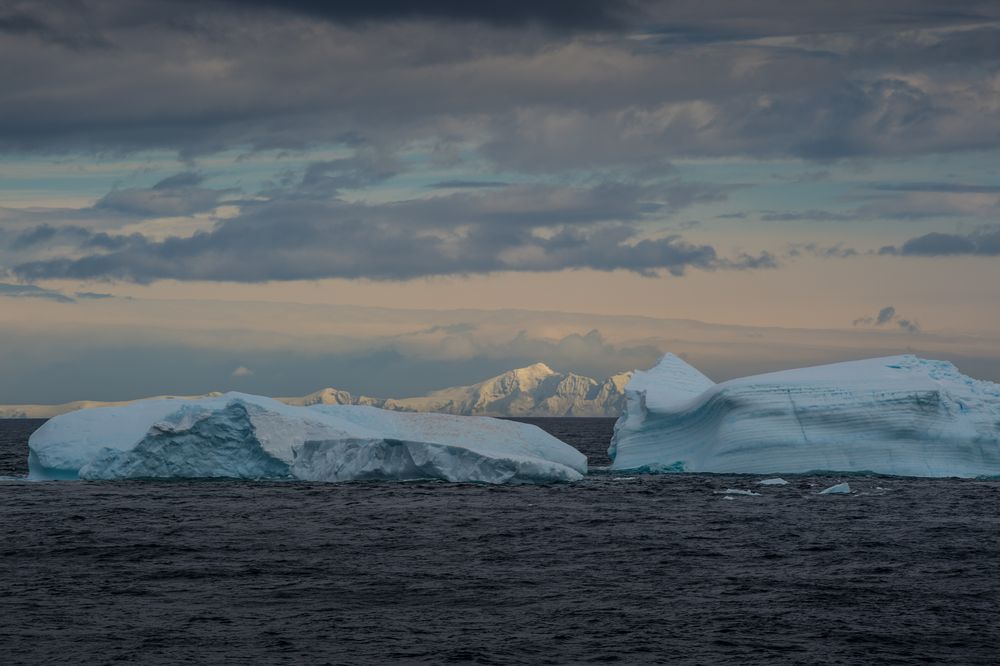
<point x="633" y="569"/>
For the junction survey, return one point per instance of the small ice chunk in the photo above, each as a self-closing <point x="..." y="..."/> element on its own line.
<point x="773" y="482"/>
<point x="735" y="491"/>
<point x="839" y="489"/>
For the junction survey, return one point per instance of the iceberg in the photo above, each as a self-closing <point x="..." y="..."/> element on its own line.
<point x="839" y="489"/>
<point x="772" y="482"/>
<point x="897" y="415"/>
<point x="250" y="437"/>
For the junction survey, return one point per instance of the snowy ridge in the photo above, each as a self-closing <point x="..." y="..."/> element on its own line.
<point x="48" y="411"/>
<point x="895" y="415"/>
<point x="535" y="390"/>
<point x="674" y="383"/>
<point x="244" y="436"/>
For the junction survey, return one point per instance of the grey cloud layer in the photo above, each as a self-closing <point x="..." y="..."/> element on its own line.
<point x="557" y="14"/>
<point x="598" y="96"/>
<point x="299" y="234"/>
<point x="32" y="291"/>
<point x="815" y="80"/>
<point x="983" y="242"/>
<point x="177" y="195"/>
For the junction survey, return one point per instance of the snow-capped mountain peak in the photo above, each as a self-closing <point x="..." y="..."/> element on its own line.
<point x="534" y="390"/>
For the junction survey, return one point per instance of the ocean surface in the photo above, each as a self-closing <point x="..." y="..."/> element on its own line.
<point x="617" y="568"/>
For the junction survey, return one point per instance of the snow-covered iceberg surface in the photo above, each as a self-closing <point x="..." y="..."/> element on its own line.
<point x="244" y="436"/>
<point x="899" y="415"/>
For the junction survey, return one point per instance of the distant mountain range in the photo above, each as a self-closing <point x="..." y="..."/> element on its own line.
<point x="536" y="390"/>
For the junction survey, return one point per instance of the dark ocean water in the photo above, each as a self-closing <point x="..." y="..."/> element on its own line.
<point x="617" y="568"/>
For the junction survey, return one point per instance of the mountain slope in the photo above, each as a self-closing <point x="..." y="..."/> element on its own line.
<point x="536" y="390"/>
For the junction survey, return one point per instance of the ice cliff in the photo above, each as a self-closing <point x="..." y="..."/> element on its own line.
<point x="245" y="436"/>
<point x="898" y="415"/>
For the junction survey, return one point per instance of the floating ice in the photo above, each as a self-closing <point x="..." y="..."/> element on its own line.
<point x="898" y="415"/>
<point x="839" y="489"/>
<point x="245" y="436"/>
<point x="772" y="482"/>
<point x="736" y="491"/>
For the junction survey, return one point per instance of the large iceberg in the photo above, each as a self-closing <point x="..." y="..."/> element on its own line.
<point x="244" y="436"/>
<point x="899" y="415"/>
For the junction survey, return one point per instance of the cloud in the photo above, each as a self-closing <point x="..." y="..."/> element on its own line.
<point x="918" y="205"/>
<point x="982" y="242"/>
<point x="837" y="250"/>
<point x="466" y="184"/>
<point x="885" y="315"/>
<point x="930" y="186"/>
<point x="807" y="215"/>
<point x="365" y="168"/>
<point x="93" y="295"/>
<point x="66" y="29"/>
<point x="47" y="234"/>
<point x="530" y="85"/>
<point x="905" y="202"/>
<point x="242" y="371"/>
<point x="460" y="327"/>
<point x="888" y="315"/>
<point x="32" y="291"/>
<point x="176" y="195"/>
<point x="555" y="14"/>
<point x="534" y="228"/>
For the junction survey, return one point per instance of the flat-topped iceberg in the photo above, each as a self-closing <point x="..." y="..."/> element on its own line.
<point x="244" y="436"/>
<point x="898" y="415"/>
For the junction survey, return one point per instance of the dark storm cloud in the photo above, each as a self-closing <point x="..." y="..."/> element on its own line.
<point x="16" y="23"/>
<point x="557" y="14"/>
<point x="62" y="24"/>
<point x="521" y="228"/>
<point x="817" y="80"/>
<point x="983" y="242"/>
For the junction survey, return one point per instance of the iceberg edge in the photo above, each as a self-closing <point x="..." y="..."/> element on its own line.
<point x="897" y="415"/>
<point x="250" y="437"/>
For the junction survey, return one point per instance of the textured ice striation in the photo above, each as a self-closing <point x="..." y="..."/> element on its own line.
<point x="244" y="436"/>
<point x="898" y="415"/>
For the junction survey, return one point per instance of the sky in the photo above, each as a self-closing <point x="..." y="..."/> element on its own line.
<point x="389" y="197"/>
